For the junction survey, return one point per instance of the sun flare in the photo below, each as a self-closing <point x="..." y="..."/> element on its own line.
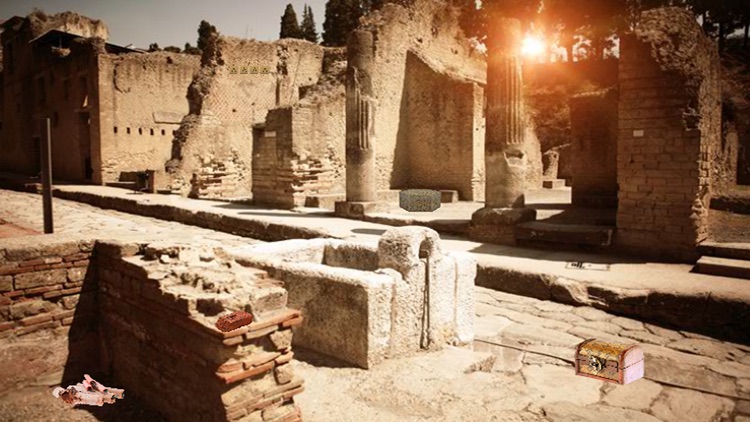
<point x="532" y="46"/>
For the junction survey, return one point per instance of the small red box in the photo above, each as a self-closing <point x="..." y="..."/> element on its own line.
<point x="233" y="321"/>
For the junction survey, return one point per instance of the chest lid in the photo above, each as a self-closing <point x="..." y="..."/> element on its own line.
<point x="625" y="354"/>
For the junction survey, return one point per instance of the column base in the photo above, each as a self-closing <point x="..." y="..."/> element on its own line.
<point x="495" y="225"/>
<point x="357" y="210"/>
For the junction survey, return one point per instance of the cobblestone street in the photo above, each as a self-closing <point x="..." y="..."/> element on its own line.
<point x="689" y="377"/>
<point x="25" y="210"/>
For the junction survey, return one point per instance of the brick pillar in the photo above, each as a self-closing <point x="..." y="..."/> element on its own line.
<point x="361" y="175"/>
<point x="505" y="157"/>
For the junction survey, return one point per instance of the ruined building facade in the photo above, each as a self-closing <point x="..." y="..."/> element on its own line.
<point x="113" y="110"/>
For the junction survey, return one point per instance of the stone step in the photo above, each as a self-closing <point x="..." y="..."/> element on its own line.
<point x="537" y="232"/>
<point x="735" y="268"/>
<point x="553" y="184"/>
<point x="725" y="250"/>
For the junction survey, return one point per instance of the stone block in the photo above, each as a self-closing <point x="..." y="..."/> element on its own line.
<point x="419" y="200"/>
<point x="449" y="196"/>
<point x="358" y="210"/>
<point x="553" y="184"/>
<point x="495" y="225"/>
<point x="40" y="278"/>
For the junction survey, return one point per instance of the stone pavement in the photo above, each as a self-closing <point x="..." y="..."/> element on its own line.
<point x="666" y="293"/>
<point x="25" y="212"/>
<point x="689" y="377"/>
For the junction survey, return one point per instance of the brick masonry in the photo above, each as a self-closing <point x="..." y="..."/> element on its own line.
<point x="44" y="292"/>
<point x="158" y="307"/>
<point x="669" y="122"/>
<point x="146" y="314"/>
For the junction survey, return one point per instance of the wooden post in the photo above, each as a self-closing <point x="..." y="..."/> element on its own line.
<point x="45" y="138"/>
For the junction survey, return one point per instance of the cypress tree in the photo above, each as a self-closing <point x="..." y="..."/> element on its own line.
<point x="205" y="30"/>
<point x="308" y="25"/>
<point x="290" y="24"/>
<point x="342" y="17"/>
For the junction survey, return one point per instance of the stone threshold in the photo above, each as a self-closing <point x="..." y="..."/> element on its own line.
<point x="665" y="294"/>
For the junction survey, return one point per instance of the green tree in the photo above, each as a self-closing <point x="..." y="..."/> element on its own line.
<point x="342" y="17"/>
<point x="205" y="31"/>
<point x="289" y="24"/>
<point x="308" y="25"/>
<point x="153" y="47"/>
<point x="173" y="49"/>
<point x="189" y="49"/>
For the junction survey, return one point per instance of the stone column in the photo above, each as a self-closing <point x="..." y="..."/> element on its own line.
<point x="361" y="174"/>
<point x="504" y="149"/>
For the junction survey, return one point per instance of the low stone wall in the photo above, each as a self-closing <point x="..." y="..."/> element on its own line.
<point x="45" y="287"/>
<point x="159" y="305"/>
<point x="363" y="303"/>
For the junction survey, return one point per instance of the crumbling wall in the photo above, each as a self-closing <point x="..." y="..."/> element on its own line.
<point x="159" y="304"/>
<point x="300" y="150"/>
<point x="669" y="127"/>
<point x="594" y="131"/>
<point x="429" y="29"/>
<point x="238" y="83"/>
<point x="47" y="309"/>
<point x="141" y="104"/>
<point x="70" y="22"/>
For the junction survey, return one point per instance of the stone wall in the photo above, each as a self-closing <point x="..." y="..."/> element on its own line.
<point x="439" y="125"/>
<point x="141" y="104"/>
<point x="594" y="131"/>
<point x="47" y="309"/>
<point x="669" y="127"/>
<point x="238" y="83"/>
<point x="299" y="151"/>
<point x="429" y="29"/>
<point x="159" y="304"/>
<point x="43" y="80"/>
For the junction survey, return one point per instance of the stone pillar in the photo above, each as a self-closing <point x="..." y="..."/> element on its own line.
<point x="505" y="157"/>
<point x="361" y="175"/>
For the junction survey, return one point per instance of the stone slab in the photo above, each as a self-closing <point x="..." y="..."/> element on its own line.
<point x="357" y="210"/>
<point x="566" y="234"/>
<point x="725" y="250"/>
<point x="724" y="267"/>
<point x="553" y="184"/>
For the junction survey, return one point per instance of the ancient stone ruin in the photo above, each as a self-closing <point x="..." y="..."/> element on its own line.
<point x="363" y="303"/>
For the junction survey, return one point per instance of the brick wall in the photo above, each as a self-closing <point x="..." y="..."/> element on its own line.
<point x="216" y="179"/>
<point x="158" y="307"/>
<point x="44" y="291"/>
<point x="293" y="159"/>
<point x="667" y="128"/>
<point x="594" y="148"/>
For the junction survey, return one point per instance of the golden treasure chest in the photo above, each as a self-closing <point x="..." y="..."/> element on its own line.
<point x="609" y="362"/>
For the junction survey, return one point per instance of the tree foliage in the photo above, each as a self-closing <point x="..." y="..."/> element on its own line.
<point x="173" y="49"/>
<point x="189" y="49"/>
<point x="153" y="47"/>
<point x="289" y="24"/>
<point x="205" y="31"/>
<point x="342" y="17"/>
<point x="308" y="31"/>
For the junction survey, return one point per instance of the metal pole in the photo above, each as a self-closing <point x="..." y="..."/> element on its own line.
<point x="46" y="153"/>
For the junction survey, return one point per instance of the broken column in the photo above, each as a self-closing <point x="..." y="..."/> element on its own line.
<point x="505" y="159"/>
<point x="361" y="176"/>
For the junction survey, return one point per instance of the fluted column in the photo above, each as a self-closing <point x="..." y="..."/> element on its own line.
<point x="504" y="145"/>
<point x="505" y="157"/>
<point x="361" y="183"/>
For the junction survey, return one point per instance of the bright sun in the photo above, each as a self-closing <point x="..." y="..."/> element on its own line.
<point x="532" y="46"/>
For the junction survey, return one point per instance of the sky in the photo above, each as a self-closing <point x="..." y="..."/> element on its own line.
<point x="174" y="22"/>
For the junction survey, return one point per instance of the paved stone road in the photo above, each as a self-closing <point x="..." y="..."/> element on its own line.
<point x="25" y="210"/>
<point x="688" y="377"/>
